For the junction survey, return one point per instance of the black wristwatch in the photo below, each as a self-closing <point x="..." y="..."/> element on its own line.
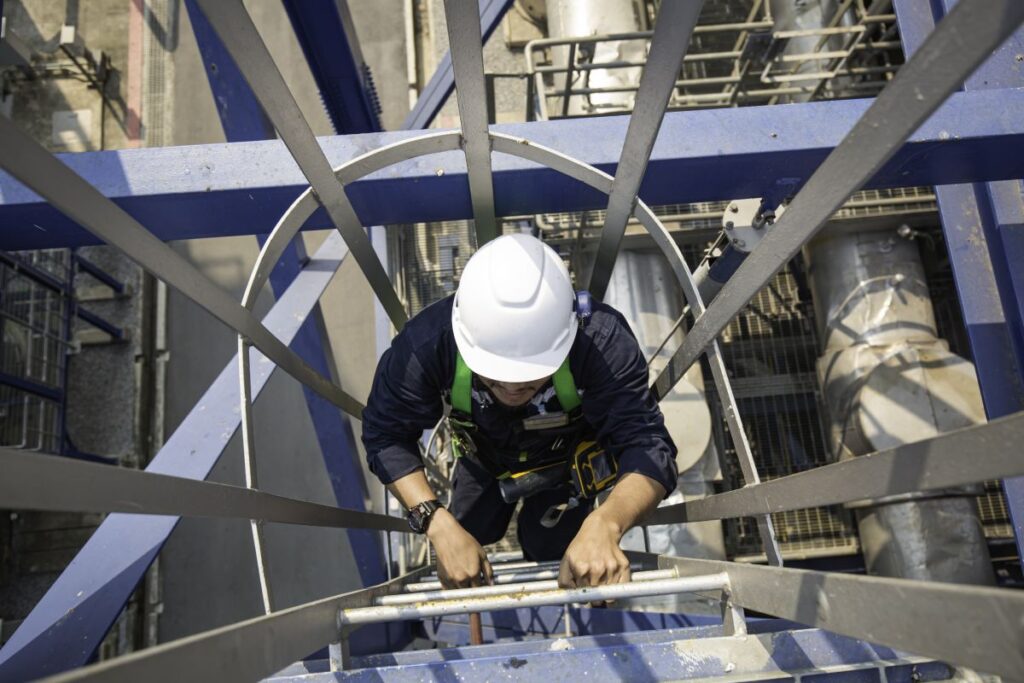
<point x="420" y="515"/>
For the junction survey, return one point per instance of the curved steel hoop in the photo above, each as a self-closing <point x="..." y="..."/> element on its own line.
<point x="521" y="147"/>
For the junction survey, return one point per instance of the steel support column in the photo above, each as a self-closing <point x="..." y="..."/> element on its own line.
<point x="328" y="39"/>
<point x="984" y="228"/>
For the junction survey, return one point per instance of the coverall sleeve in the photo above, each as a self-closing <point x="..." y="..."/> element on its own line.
<point x="405" y="399"/>
<point x="618" y="403"/>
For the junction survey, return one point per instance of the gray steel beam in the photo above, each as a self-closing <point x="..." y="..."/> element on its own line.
<point x="96" y="585"/>
<point x="966" y="456"/>
<point x="467" y="50"/>
<point x="962" y="41"/>
<point x="39" y="170"/>
<point x="245" y="651"/>
<point x="981" y="628"/>
<point x="38" y="482"/>
<point x="233" y="24"/>
<point x="675" y="23"/>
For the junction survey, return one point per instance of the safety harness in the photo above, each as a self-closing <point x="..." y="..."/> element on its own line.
<point x="568" y="458"/>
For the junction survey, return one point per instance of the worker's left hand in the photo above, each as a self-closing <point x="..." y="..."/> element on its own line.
<point x="594" y="557"/>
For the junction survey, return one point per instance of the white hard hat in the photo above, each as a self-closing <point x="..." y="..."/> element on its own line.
<point x="513" y="316"/>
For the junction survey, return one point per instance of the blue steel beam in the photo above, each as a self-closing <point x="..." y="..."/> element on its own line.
<point x="684" y="654"/>
<point x="442" y="83"/>
<point x="66" y="626"/>
<point x="243" y="188"/>
<point x="983" y="224"/>
<point x="243" y="120"/>
<point x="239" y="112"/>
<point x="328" y="39"/>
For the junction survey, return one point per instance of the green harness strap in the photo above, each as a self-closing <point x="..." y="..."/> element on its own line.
<point x="462" y="387"/>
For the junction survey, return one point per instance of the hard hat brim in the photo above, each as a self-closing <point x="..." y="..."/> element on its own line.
<point x="524" y="369"/>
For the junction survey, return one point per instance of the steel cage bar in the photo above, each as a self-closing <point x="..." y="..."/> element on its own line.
<point x="467" y="52"/>
<point x="73" y="196"/>
<point x="35" y="482"/>
<point x="675" y="24"/>
<point x="233" y="24"/>
<point x="970" y="32"/>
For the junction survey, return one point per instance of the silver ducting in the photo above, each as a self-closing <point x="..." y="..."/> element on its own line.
<point x="573" y="18"/>
<point x="887" y="379"/>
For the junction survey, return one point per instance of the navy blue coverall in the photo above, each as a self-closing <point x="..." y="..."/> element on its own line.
<point x="415" y="375"/>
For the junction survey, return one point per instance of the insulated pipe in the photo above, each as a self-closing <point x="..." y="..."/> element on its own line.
<point x="618" y="591"/>
<point x="503" y="589"/>
<point x="568" y="18"/>
<point x="887" y="379"/>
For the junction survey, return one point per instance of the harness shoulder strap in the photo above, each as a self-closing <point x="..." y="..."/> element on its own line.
<point x="462" y="386"/>
<point x="565" y="387"/>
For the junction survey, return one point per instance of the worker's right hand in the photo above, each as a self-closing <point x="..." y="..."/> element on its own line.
<point x="461" y="562"/>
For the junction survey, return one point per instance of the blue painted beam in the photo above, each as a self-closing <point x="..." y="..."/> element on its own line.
<point x="239" y="111"/>
<point x="66" y="626"/>
<point x="243" y="188"/>
<point x="328" y="39"/>
<point x="243" y="119"/>
<point x="685" y="654"/>
<point x="442" y="83"/>
<point x="983" y="224"/>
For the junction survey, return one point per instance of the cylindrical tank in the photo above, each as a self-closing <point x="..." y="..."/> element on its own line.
<point x="887" y="379"/>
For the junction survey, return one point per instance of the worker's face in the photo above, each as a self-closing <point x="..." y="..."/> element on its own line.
<point x="514" y="394"/>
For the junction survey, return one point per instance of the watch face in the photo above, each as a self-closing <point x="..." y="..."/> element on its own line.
<point x="416" y="520"/>
<point x="419" y="516"/>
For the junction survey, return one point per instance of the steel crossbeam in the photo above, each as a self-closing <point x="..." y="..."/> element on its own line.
<point x="242" y="188"/>
<point x="676" y="20"/>
<point x="328" y="39"/>
<point x="962" y="41"/>
<point x="971" y="626"/>
<point x="33" y="482"/>
<point x="938" y="463"/>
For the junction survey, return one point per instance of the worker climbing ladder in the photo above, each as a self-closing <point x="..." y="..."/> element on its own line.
<point x="940" y="624"/>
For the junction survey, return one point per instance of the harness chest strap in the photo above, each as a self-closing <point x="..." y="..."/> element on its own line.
<point x="462" y="387"/>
